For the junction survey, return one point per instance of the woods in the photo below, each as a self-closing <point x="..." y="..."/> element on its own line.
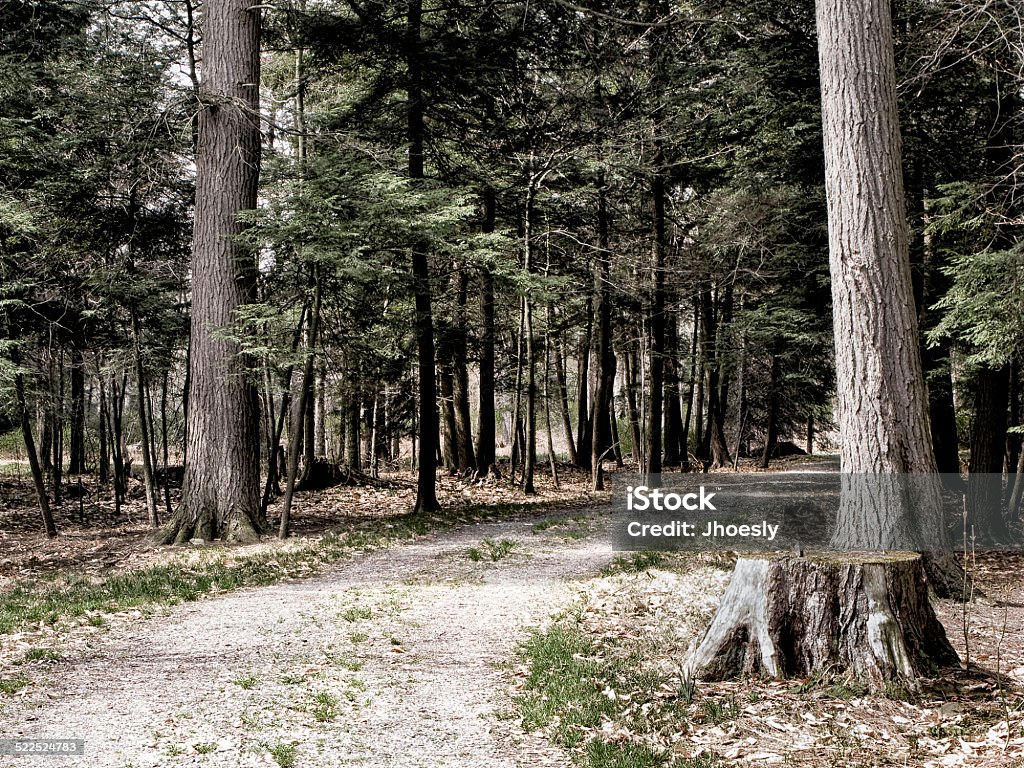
<point x="605" y="225"/>
<point x="354" y="319"/>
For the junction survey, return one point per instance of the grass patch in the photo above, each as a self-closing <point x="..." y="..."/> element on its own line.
<point x="248" y="682"/>
<point x="205" y="748"/>
<point x="358" y="637"/>
<point x="283" y="754"/>
<point x="574" y="685"/>
<point x="48" y="600"/>
<point x="356" y="613"/>
<point x="11" y="685"/>
<point x="325" y="707"/>
<point x="492" y="550"/>
<point x="634" y="562"/>
<point x="718" y="711"/>
<point x="47" y="655"/>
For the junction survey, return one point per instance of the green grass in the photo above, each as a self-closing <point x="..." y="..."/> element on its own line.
<point x="205" y="748"/>
<point x="634" y="562"/>
<point x="718" y="711"/>
<point x="248" y="682"/>
<point x="492" y="550"/>
<point x="358" y="637"/>
<point x="11" y="685"/>
<point x="283" y="754"/>
<point x="325" y="707"/>
<point x="575" y="683"/>
<point x="355" y="613"/>
<point x="49" y="600"/>
<point x="42" y="654"/>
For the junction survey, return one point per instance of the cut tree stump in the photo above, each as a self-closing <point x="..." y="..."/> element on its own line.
<point x="829" y="614"/>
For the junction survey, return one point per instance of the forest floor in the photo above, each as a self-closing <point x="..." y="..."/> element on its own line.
<point x="413" y="655"/>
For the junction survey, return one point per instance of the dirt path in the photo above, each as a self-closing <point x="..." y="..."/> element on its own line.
<point x="390" y="659"/>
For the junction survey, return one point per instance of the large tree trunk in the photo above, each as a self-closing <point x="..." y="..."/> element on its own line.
<point x="865" y="614"/>
<point x="220" y="495"/>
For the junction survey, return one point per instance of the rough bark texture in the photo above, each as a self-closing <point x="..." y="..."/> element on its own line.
<point x="797" y="616"/>
<point x="865" y="615"/>
<point x="882" y="409"/>
<point x="220" y="496"/>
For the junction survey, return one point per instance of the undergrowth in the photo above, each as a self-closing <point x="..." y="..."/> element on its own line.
<point x="575" y="686"/>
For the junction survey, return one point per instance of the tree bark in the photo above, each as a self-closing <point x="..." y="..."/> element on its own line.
<point x="867" y="615"/>
<point x="486" y="439"/>
<point x="988" y="453"/>
<point x="426" y="482"/>
<point x="605" y="356"/>
<point x="220" y="494"/>
<point x="795" y="616"/>
<point x="563" y="401"/>
<point x="656" y="319"/>
<point x="76" y="446"/>
<point x="33" y="456"/>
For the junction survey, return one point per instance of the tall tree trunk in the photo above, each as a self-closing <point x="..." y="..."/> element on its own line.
<point x="300" y="423"/>
<point x="449" y="450"/>
<point x="144" y="427"/>
<point x="605" y="356"/>
<point x="530" y="449"/>
<point x="57" y="444"/>
<point x="426" y="483"/>
<point x="104" y="467"/>
<point x="583" y="373"/>
<point x="76" y="446"/>
<point x="673" y="412"/>
<point x="460" y="376"/>
<point x="870" y="617"/>
<point x="988" y="453"/>
<point x="771" y="437"/>
<point x="117" y="394"/>
<point x="563" y="402"/>
<point x="486" y="439"/>
<point x="656" y="318"/>
<point x="165" y="443"/>
<point x="632" y="412"/>
<point x="38" y="479"/>
<point x="714" y="448"/>
<point x="688" y="417"/>
<point x="220" y="495"/>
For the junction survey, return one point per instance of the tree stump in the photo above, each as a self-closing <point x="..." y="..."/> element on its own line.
<point x="865" y="615"/>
